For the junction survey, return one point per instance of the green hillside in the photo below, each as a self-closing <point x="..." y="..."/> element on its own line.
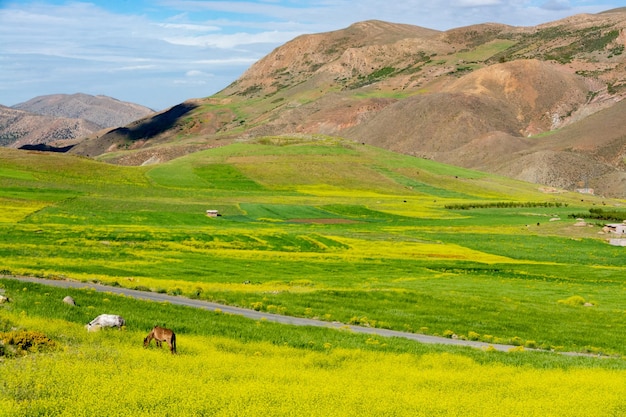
<point x="310" y="227"/>
<point x="323" y="228"/>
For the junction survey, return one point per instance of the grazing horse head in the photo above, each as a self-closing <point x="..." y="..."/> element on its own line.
<point x="161" y="334"/>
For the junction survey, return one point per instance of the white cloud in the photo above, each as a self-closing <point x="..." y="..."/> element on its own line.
<point x="231" y="41"/>
<point x="135" y="68"/>
<point x="189" y="27"/>
<point x="196" y="73"/>
<point x="240" y="61"/>
<point x="190" y="82"/>
<point x="295" y="11"/>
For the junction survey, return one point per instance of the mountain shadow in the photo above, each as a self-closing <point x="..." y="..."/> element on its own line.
<point x="42" y="147"/>
<point x="152" y="126"/>
<point x="142" y="130"/>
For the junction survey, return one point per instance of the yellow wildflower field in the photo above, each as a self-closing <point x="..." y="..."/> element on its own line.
<point x="15" y="210"/>
<point x="110" y="373"/>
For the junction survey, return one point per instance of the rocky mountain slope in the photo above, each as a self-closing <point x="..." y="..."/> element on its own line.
<point x="62" y="119"/>
<point x="102" y="110"/>
<point x="540" y="103"/>
<point x="19" y="128"/>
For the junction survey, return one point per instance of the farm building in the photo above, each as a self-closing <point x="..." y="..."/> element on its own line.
<point x="212" y="213"/>
<point x="616" y="228"/>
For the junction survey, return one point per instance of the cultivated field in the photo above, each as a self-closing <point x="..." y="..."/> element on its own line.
<point x="312" y="227"/>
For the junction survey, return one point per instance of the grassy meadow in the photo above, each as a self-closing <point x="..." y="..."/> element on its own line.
<point x="309" y="227"/>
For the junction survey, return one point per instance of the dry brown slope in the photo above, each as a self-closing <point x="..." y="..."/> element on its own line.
<point x="19" y="128"/>
<point x="425" y="125"/>
<point x="482" y="121"/>
<point x="588" y="153"/>
<point x="322" y="59"/>
<point x="515" y="98"/>
<point x="155" y="133"/>
<point x="542" y="94"/>
<point x="101" y="110"/>
<point x="600" y="136"/>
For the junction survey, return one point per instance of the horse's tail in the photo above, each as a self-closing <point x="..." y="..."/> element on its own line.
<point x="173" y="342"/>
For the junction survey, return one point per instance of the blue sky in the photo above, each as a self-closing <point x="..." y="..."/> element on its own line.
<point x="159" y="53"/>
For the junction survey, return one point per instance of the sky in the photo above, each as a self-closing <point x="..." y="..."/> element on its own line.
<point x="159" y="53"/>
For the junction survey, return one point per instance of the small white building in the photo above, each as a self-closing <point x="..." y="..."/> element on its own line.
<point x="616" y="228"/>
<point x="212" y="213"/>
<point x="619" y="231"/>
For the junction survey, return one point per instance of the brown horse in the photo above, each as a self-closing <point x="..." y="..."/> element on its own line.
<point x="161" y="334"/>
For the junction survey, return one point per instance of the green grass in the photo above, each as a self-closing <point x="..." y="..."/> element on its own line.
<point x="41" y="302"/>
<point x="486" y="51"/>
<point x="310" y="227"/>
<point x="323" y="228"/>
<point x="228" y="365"/>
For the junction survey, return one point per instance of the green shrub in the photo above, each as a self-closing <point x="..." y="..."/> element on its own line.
<point x="174" y="291"/>
<point x="516" y="341"/>
<point x="574" y="300"/>
<point x="362" y="321"/>
<point x="530" y="344"/>
<point x="5" y="325"/>
<point x="448" y="334"/>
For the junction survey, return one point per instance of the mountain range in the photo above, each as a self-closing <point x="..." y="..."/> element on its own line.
<point x="542" y="104"/>
<point x="63" y="119"/>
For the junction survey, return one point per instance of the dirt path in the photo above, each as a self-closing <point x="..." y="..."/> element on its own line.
<point x="257" y="315"/>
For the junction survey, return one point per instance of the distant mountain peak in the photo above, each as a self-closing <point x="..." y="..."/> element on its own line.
<point x="101" y="110"/>
<point x="64" y="118"/>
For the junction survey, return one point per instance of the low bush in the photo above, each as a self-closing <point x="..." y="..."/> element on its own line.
<point x="574" y="300"/>
<point x="19" y="342"/>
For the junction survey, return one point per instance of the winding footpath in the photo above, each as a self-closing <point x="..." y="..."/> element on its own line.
<point x="258" y="315"/>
